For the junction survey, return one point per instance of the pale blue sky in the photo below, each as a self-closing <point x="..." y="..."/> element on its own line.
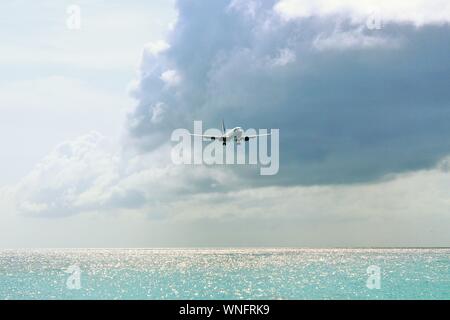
<point x="58" y="83"/>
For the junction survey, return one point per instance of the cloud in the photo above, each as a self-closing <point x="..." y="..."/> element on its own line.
<point x="353" y="39"/>
<point x="87" y="175"/>
<point x="157" y="112"/>
<point x="71" y="179"/>
<point x="343" y="95"/>
<point x="363" y="117"/>
<point x="171" y="78"/>
<point x="284" y="57"/>
<point x="90" y="174"/>
<point x="419" y="13"/>
<point x="156" y="47"/>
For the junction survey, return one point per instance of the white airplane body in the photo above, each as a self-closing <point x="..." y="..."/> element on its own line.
<point x="236" y="134"/>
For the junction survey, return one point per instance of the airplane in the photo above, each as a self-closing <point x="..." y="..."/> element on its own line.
<point x="236" y="134"/>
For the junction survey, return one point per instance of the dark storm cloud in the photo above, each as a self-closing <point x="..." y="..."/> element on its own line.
<point x="346" y="113"/>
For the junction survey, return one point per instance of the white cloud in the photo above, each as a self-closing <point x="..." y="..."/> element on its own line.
<point x="86" y="174"/>
<point x="74" y="177"/>
<point x="156" y="47"/>
<point x="353" y="39"/>
<point x="90" y="173"/>
<point x="417" y="12"/>
<point x="171" y="78"/>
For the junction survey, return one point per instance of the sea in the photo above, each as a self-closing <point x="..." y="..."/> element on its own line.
<point x="225" y="273"/>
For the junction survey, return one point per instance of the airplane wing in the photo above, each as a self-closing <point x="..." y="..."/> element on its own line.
<point x="206" y="136"/>
<point x="257" y="135"/>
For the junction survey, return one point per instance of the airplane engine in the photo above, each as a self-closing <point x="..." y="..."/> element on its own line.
<point x="246" y="138"/>
<point x="213" y="138"/>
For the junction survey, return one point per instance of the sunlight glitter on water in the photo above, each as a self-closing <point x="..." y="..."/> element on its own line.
<point x="237" y="273"/>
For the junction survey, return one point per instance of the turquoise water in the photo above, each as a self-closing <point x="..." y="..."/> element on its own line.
<point x="224" y="274"/>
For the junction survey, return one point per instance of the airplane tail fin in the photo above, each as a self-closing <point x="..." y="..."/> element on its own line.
<point x="223" y="127"/>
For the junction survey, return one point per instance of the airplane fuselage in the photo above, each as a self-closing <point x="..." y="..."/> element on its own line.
<point x="233" y="134"/>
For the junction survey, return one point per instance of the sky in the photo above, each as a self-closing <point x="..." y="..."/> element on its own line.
<point x="358" y="90"/>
